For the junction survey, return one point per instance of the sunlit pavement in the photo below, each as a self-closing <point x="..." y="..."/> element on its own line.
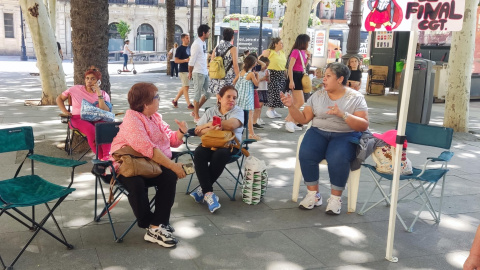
<point x="274" y="234"/>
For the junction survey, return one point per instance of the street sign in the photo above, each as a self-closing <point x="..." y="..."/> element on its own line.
<point x="418" y="15"/>
<point x="235" y="24"/>
<point x="319" y="45"/>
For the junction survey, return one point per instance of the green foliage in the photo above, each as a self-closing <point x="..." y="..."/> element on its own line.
<point x="244" y="18"/>
<point x="313" y="20"/>
<point x="123" y="29"/>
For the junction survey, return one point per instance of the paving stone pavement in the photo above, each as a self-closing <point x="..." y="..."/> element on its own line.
<point x="274" y="234"/>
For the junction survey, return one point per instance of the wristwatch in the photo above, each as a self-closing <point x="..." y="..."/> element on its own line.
<point x="345" y="115"/>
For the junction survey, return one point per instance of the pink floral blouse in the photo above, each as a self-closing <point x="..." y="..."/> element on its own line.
<point x="144" y="134"/>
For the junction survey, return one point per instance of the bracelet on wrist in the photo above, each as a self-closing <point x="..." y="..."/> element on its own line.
<point x="181" y="131"/>
<point x="345" y="116"/>
<point x="101" y="97"/>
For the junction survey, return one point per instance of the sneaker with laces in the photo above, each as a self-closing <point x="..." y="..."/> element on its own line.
<point x="298" y="128"/>
<point x="290" y="127"/>
<point x="277" y="115"/>
<point x="212" y="201"/>
<point x="270" y="114"/>
<point x="169" y="228"/>
<point x="311" y="200"/>
<point x="160" y="236"/>
<point x="334" y="206"/>
<point x="260" y="121"/>
<point x="197" y="195"/>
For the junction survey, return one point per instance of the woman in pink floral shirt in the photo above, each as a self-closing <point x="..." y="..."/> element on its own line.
<point x="144" y="130"/>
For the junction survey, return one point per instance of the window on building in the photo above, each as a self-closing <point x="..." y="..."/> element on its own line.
<point x="265" y="7"/>
<point x="180" y="3"/>
<point x="8" y="22"/>
<point x="178" y="34"/>
<point x="146" y="2"/>
<point x="205" y="3"/>
<point x="236" y="6"/>
<point x="117" y="1"/>
<point x="145" y="38"/>
<point x="340" y="13"/>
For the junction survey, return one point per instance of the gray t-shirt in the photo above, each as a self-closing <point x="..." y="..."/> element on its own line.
<point x="236" y="112"/>
<point x="351" y="102"/>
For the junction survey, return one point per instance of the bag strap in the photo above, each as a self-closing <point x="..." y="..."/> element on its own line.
<point x="303" y="63"/>
<point x="223" y="56"/>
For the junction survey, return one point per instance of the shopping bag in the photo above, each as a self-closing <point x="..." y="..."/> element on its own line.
<point x="255" y="181"/>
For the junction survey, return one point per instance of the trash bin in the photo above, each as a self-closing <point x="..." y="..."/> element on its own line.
<point x="421" y="95"/>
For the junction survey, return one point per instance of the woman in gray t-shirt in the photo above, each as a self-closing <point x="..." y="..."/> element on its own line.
<point x="338" y="114"/>
<point x="209" y="164"/>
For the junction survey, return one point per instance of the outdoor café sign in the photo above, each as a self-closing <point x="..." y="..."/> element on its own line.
<point x="416" y="15"/>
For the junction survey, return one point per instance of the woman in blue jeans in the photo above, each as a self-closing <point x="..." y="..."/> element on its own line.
<point x="338" y="114"/>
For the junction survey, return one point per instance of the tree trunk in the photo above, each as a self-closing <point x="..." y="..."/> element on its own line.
<point x="211" y="22"/>
<point x="48" y="61"/>
<point x="170" y="29"/>
<point x="457" y="99"/>
<point x="295" y="22"/>
<point x="52" y="13"/>
<point x="90" y="39"/>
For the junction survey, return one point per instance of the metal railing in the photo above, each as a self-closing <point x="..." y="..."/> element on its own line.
<point x="146" y="2"/>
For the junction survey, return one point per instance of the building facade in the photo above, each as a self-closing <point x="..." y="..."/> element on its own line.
<point x="147" y="20"/>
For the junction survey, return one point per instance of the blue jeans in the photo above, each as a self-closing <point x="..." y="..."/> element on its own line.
<point x="125" y="61"/>
<point x="335" y="147"/>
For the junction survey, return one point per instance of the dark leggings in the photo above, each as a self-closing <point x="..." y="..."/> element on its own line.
<point x="208" y="174"/>
<point x="173" y="67"/>
<point x="164" y="198"/>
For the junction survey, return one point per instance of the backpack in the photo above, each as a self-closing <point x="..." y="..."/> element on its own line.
<point x="217" y="70"/>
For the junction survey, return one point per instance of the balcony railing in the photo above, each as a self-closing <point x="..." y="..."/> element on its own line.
<point x="146" y="2"/>
<point x="117" y="1"/>
<point x="245" y="10"/>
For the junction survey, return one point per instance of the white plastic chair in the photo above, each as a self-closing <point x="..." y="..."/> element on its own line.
<point x="352" y="183"/>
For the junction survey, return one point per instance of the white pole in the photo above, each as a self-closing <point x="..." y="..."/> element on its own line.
<point x="402" y="121"/>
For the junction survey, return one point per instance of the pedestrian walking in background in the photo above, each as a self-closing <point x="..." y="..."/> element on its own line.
<point x="173" y="65"/>
<point x="198" y="71"/>
<point x="297" y="60"/>
<point x="263" y="79"/>
<point x="181" y="57"/>
<point x="230" y="61"/>
<point x="276" y="69"/>
<point x="338" y="54"/>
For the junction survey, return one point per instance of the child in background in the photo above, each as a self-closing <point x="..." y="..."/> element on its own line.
<point x="263" y="79"/>
<point x="317" y="81"/>
<point x="244" y="83"/>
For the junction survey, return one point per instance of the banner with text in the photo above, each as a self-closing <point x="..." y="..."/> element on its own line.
<point x="418" y="15"/>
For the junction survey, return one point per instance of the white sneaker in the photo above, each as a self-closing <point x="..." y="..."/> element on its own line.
<point x="334" y="206"/>
<point x="298" y="128"/>
<point x="270" y="114"/>
<point x="277" y="115"/>
<point x="260" y="121"/>
<point x="290" y="127"/>
<point x="311" y="200"/>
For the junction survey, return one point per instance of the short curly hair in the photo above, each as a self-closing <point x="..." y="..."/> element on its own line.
<point x="141" y="94"/>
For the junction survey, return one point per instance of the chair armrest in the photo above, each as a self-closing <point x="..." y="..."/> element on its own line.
<point x="101" y="162"/>
<point x="248" y="141"/>
<point x="445" y="156"/>
<point x="119" y="113"/>
<point x="60" y="162"/>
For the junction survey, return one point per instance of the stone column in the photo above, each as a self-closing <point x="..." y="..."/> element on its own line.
<point x="353" y="40"/>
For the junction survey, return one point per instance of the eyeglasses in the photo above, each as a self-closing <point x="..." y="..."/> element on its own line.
<point x="156" y="96"/>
